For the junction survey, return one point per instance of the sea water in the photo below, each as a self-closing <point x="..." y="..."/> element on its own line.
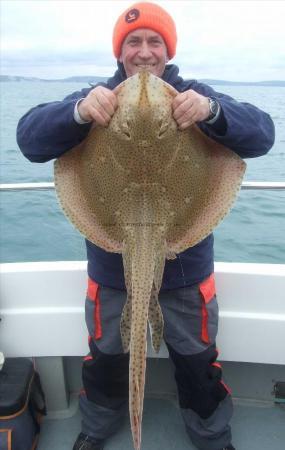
<point x="33" y="227"/>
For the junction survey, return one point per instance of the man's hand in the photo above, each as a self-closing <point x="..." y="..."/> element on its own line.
<point x="99" y="105"/>
<point x="190" y="107"/>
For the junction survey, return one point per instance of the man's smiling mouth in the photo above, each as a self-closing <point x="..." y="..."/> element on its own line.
<point x="145" y="66"/>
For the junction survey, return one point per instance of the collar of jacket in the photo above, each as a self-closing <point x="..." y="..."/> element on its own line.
<point x="170" y="75"/>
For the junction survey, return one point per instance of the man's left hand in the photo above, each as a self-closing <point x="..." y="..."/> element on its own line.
<point x="190" y="107"/>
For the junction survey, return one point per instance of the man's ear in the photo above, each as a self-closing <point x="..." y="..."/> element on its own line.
<point x="120" y="59"/>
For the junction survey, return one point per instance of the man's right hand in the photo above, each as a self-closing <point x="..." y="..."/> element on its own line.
<point x="99" y="105"/>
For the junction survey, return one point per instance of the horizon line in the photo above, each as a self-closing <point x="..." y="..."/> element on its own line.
<point x="107" y="76"/>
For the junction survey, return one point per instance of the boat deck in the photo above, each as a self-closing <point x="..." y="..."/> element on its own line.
<point x="255" y="426"/>
<point x="251" y="338"/>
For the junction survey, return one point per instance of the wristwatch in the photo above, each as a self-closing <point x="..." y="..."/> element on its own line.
<point x="214" y="110"/>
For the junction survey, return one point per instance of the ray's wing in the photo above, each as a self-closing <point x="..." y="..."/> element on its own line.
<point x="88" y="193"/>
<point x="209" y="179"/>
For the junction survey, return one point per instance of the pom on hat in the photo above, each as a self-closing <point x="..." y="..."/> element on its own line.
<point x="145" y="15"/>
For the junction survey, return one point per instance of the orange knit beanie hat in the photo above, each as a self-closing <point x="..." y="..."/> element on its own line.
<point x="145" y="15"/>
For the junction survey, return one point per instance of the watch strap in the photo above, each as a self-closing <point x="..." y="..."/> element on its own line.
<point x="213" y="117"/>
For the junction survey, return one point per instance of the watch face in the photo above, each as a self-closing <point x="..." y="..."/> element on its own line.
<point x="214" y="107"/>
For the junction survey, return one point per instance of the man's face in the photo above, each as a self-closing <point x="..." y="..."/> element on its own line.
<point x="144" y="49"/>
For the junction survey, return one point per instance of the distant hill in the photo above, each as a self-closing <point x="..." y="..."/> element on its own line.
<point x="94" y="79"/>
<point x="81" y="79"/>
<point x="279" y="83"/>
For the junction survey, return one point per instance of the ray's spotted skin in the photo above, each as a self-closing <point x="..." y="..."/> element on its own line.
<point x="145" y="189"/>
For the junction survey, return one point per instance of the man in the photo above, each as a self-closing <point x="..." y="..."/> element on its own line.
<point x="144" y="37"/>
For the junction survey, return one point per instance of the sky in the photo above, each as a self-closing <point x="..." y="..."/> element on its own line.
<point x="237" y="40"/>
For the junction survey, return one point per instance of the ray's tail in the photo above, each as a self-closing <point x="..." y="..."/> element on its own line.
<point x="139" y="265"/>
<point x="142" y="280"/>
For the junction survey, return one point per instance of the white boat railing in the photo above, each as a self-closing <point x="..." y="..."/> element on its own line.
<point x="46" y="186"/>
<point x="43" y="302"/>
<point x="27" y="186"/>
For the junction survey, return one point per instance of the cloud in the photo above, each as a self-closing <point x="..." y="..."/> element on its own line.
<point x="235" y="39"/>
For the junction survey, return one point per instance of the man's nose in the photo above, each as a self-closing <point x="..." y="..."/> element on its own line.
<point x="144" y="50"/>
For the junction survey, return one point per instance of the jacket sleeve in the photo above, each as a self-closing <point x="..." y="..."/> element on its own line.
<point x="49" y="130"/>
<point x="248" y="130"/>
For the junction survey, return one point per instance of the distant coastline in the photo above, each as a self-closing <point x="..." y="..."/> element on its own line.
<point x="83" y="79"/>
<point x="95" y="79"/>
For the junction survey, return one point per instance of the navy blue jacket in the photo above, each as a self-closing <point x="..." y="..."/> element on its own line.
<point x="49" y="130"/>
